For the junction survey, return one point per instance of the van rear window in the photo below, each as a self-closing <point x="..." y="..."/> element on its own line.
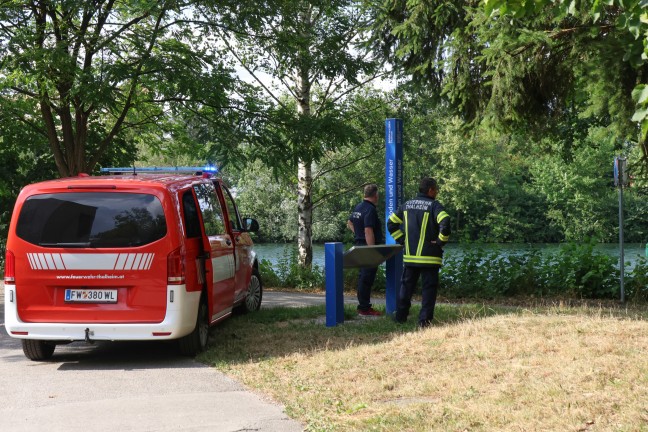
<point x="91" y="219"/>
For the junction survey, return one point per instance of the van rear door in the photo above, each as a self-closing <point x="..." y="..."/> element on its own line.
<point x="243" y="243"/>
<point x="91" y="256"/>
<point x="219" y="245"/>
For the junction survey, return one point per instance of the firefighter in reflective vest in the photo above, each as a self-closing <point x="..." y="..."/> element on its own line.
<point x="423" y="227"/>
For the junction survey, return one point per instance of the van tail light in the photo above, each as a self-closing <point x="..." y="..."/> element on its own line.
<point x="10" y="268"/>
<point x="176" y="267"/>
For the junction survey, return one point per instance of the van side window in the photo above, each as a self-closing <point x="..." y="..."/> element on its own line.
<point x="210" y="209"/>
<point x="191" y="220"/>
<point x="234" y="220"/>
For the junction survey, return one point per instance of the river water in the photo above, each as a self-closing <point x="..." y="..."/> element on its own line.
<point x="632" y="251"/>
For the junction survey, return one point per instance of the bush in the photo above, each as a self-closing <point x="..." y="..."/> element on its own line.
<point x="575" y="271"/>
<point x="580" y="272"/>
<point x="289" y="274"/>
<point x="636" y="283"/>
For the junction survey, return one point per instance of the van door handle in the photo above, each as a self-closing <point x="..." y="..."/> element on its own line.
<point x="203" y="256"/>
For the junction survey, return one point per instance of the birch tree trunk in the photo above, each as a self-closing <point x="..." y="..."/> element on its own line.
<point x="305" y="214"/>
<point x="304" y="167"/>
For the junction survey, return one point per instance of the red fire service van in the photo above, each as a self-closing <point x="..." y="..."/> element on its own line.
<point x="130" y="256"/>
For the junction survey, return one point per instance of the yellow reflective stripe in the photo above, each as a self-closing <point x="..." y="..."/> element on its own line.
<point x="442" y="216"/>
<point x="397" y="234"/>
<point x="407" y="251"/>
<point x="421" y="242"/>
<point x="422" y="259"/>
<point x="444" y="238"/>
<point x="395" y="218"/>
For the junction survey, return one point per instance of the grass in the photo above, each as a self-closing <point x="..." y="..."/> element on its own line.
<point x="479" y="368"/>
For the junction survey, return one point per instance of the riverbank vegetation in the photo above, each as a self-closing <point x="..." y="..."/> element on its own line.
<point x="479" y="368"/>
<point x="575" y="271"/>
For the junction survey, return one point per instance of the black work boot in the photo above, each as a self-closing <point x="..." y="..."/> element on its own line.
<point x="423" y="324"/>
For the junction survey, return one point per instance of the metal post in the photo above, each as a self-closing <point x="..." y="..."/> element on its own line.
<point x="334" y="283"/>
<point x="393" y="200"/>
<point x="620" y="180"/>
<point x="621" y="255"/>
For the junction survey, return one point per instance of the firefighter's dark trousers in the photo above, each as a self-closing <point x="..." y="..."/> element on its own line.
<point x="430" y="282"/>
<point x="366" y="280"/>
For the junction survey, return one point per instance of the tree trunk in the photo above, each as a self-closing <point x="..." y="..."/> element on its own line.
<point x="304" y="187"/>
<point x="304" y="167"/>
<point x="305" y="214"/>
<point x="69" y="154"/>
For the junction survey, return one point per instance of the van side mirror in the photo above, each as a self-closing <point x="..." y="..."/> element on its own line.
<point x="251" y="225"/>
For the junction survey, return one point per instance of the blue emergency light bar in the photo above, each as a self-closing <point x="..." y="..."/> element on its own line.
<point x="179" y="169"/>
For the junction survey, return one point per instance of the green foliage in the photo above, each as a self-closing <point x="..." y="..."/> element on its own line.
<point x="270" y="195"/>
<point x="483" y="274"/>
<point x="628" y="40"/>
<point x="583" y="273"/>
<point x="497" y="186"/>
<point x="579" y="201"/>
<point x="636" y="283"/>
<point x="269" y="199"/>
<point x="84" y="73"/>
<point x="519" y="65"/>
<point x="576" y="271"/>
<point x="287" y="273"/>
<point x="307" y="49"/>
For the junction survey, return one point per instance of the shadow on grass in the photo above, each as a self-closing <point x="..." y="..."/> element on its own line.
<point x="279" y="332"/>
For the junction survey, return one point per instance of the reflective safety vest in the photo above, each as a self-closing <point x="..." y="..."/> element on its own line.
<point x="416" y="225"/>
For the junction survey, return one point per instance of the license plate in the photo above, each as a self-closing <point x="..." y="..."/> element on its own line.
<point x="91" y="296"/>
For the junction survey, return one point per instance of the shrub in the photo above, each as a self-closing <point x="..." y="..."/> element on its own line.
<point x="636" y="283"/>
<point x="287" y="273"/>
<point x="576" y="270"/>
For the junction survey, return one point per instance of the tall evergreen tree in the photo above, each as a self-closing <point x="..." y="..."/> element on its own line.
<point x="521" y="65"/>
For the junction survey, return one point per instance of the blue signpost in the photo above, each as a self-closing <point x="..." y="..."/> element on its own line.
<point x="393" y="200"/>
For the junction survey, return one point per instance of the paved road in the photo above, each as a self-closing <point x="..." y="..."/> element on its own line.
<point x="129" y="387"/>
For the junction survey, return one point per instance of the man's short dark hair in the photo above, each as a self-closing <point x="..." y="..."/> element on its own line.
<point x="426" y="184"/>
<point x="370" y="190"/>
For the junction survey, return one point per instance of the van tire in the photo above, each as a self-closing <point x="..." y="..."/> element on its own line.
<point x="252" y="300"/>
<point x="37" y="350"/>
<point x="196" y="341"/>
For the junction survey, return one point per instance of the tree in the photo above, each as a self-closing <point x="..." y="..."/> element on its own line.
<point x="85" y="71"/>
<point x="526" y="66"/>
<point x="305" y="47"/>
<point x="338" y="178"/>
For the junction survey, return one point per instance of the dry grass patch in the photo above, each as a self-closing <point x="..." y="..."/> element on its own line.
<point x="477" y="370"/>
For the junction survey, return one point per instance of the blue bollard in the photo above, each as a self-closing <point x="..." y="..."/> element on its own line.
<point x="333" y="267"/>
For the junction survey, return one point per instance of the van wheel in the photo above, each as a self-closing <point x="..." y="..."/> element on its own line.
<point x="254" y="295"/>
<point x="196" y="341"/>
<point x="38" y="349"/>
